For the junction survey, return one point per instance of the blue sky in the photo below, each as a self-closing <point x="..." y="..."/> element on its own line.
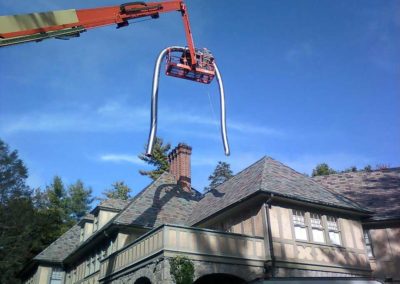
<point x="306" y="82"/>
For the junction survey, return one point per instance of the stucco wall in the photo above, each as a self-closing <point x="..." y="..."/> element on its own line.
<point x="247" y="222"/>
<point x="386" y="249"/>
<point x="105" y="216"/>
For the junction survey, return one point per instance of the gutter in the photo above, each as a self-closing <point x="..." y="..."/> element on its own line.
<point x="267" y="206"/>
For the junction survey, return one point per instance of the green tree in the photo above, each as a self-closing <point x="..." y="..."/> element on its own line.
<point x="58" y="202"/>
<point x="31" y="220"/>
<point x="352" y="169"/>
<point x="158" y="159"/>
<point x="221" y="174"/>
<point x="181" y="269"/>
<point x="367" y="168"/>
<point x="13" y="174"/>
<point x="79" y="200"/>
<point x="16" y="215"/>
<point x="322" y="170"/>
<point x="119" y="190"/>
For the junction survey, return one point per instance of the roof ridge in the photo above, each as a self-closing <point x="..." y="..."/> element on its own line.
<point x="360" y="172"/>
<point x="238" y="173"/>
<point x="139" y="195"/>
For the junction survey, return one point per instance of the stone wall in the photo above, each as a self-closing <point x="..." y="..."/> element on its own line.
<point x="158" y="272"/>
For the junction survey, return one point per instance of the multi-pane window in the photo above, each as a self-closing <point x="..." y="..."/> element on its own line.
<point x="317" y="228"/>
<point x="314" y="227"/>
<point x="368" y="244"/>
<point x="300" y="228"/>
<point x="333" y="230"/>
<point x="56" y="276"/>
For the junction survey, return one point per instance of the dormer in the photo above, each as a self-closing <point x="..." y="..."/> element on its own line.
<point x="105" y="211"/>
<point x="86" y="224"/>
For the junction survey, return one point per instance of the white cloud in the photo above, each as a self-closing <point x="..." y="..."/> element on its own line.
<point x="106" y="118"/>
<point x="118" y="116"/>
<point x="118" y="158"/>
<point x="299" y="51"/>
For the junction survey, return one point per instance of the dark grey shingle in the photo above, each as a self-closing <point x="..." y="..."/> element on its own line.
<point x="113" y="203"/>
<point x="161" y="202"/>
<point x="378" y="191"/>
<point x="270" y="176"/>
<point x="62" y="247"/>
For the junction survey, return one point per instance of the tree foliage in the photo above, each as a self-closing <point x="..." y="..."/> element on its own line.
<point x="181" y="270"/>
<point x="158" y="159"/>
<point x="323" y="170"/>
<point x="30" y="220"/>
<point x="79" y="200"/>
<point x="16" y="211"/>
<point x="13" y="174"/>
<point x="119" y="190"/>
<point x="221" y="174"/>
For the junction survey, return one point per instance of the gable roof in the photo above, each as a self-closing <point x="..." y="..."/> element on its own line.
<point x="271" y="176"/>
<point x="163" y="201"/>
<point x="378" y="190"/>
<point x="62" y="247"/>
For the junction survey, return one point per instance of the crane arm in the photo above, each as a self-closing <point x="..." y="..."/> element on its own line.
<point x="64" y="24"/>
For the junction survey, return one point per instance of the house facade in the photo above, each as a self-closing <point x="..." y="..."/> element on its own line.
<point x="268" y="223"/>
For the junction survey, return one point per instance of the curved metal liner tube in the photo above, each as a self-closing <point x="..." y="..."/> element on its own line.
<point x="154" y="102"/>
<point x="223" y="111"/>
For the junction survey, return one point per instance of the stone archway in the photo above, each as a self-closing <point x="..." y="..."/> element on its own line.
<point x="143" y="280"/>
<point x="219" y="278"/>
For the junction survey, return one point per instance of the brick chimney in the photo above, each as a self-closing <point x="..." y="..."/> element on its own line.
<point x="179" y="165"/>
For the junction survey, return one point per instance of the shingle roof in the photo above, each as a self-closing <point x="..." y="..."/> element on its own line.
<point x="62" y="247"/>
<point x="161" y="202"/>
<point x="113" y="203"/>
<point x="69" y="241"/>
<point x="378" y="190"/>
<point x="267" y="175"/>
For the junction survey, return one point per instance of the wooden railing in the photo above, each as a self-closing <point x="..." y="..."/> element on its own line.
<point x="194" y="242"/>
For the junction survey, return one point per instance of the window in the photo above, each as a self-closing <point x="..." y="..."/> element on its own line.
<point x="56" y="276"/>
<point x="333" y="230"/>
<point x="316" y="228"/>
<point x="82" y="233"/>
<point x="300" y="228"/>
<point x="96" y="223"/>
<point x="368" y="244"/>
<point x="87" y="270"/>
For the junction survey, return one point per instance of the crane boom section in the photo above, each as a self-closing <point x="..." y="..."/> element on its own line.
<point x="17" y="29"/>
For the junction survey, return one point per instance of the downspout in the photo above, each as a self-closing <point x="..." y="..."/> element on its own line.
<point x="267" y="206"/>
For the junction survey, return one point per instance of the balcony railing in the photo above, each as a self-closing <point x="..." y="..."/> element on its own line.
<point x="194" y="242"/>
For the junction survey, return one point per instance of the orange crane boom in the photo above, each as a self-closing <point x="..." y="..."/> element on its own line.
<point x="18" y="29"/>
<point x="182" y="62"/>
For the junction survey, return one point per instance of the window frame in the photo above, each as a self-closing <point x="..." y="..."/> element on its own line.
<point x="317" y="226"/>
<point x="367" y="237"/>
<point x="56" y="271"/>
<point x="334" y="230"/>
<point x="297" y="222"/>
<point x="309" y="225"/>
